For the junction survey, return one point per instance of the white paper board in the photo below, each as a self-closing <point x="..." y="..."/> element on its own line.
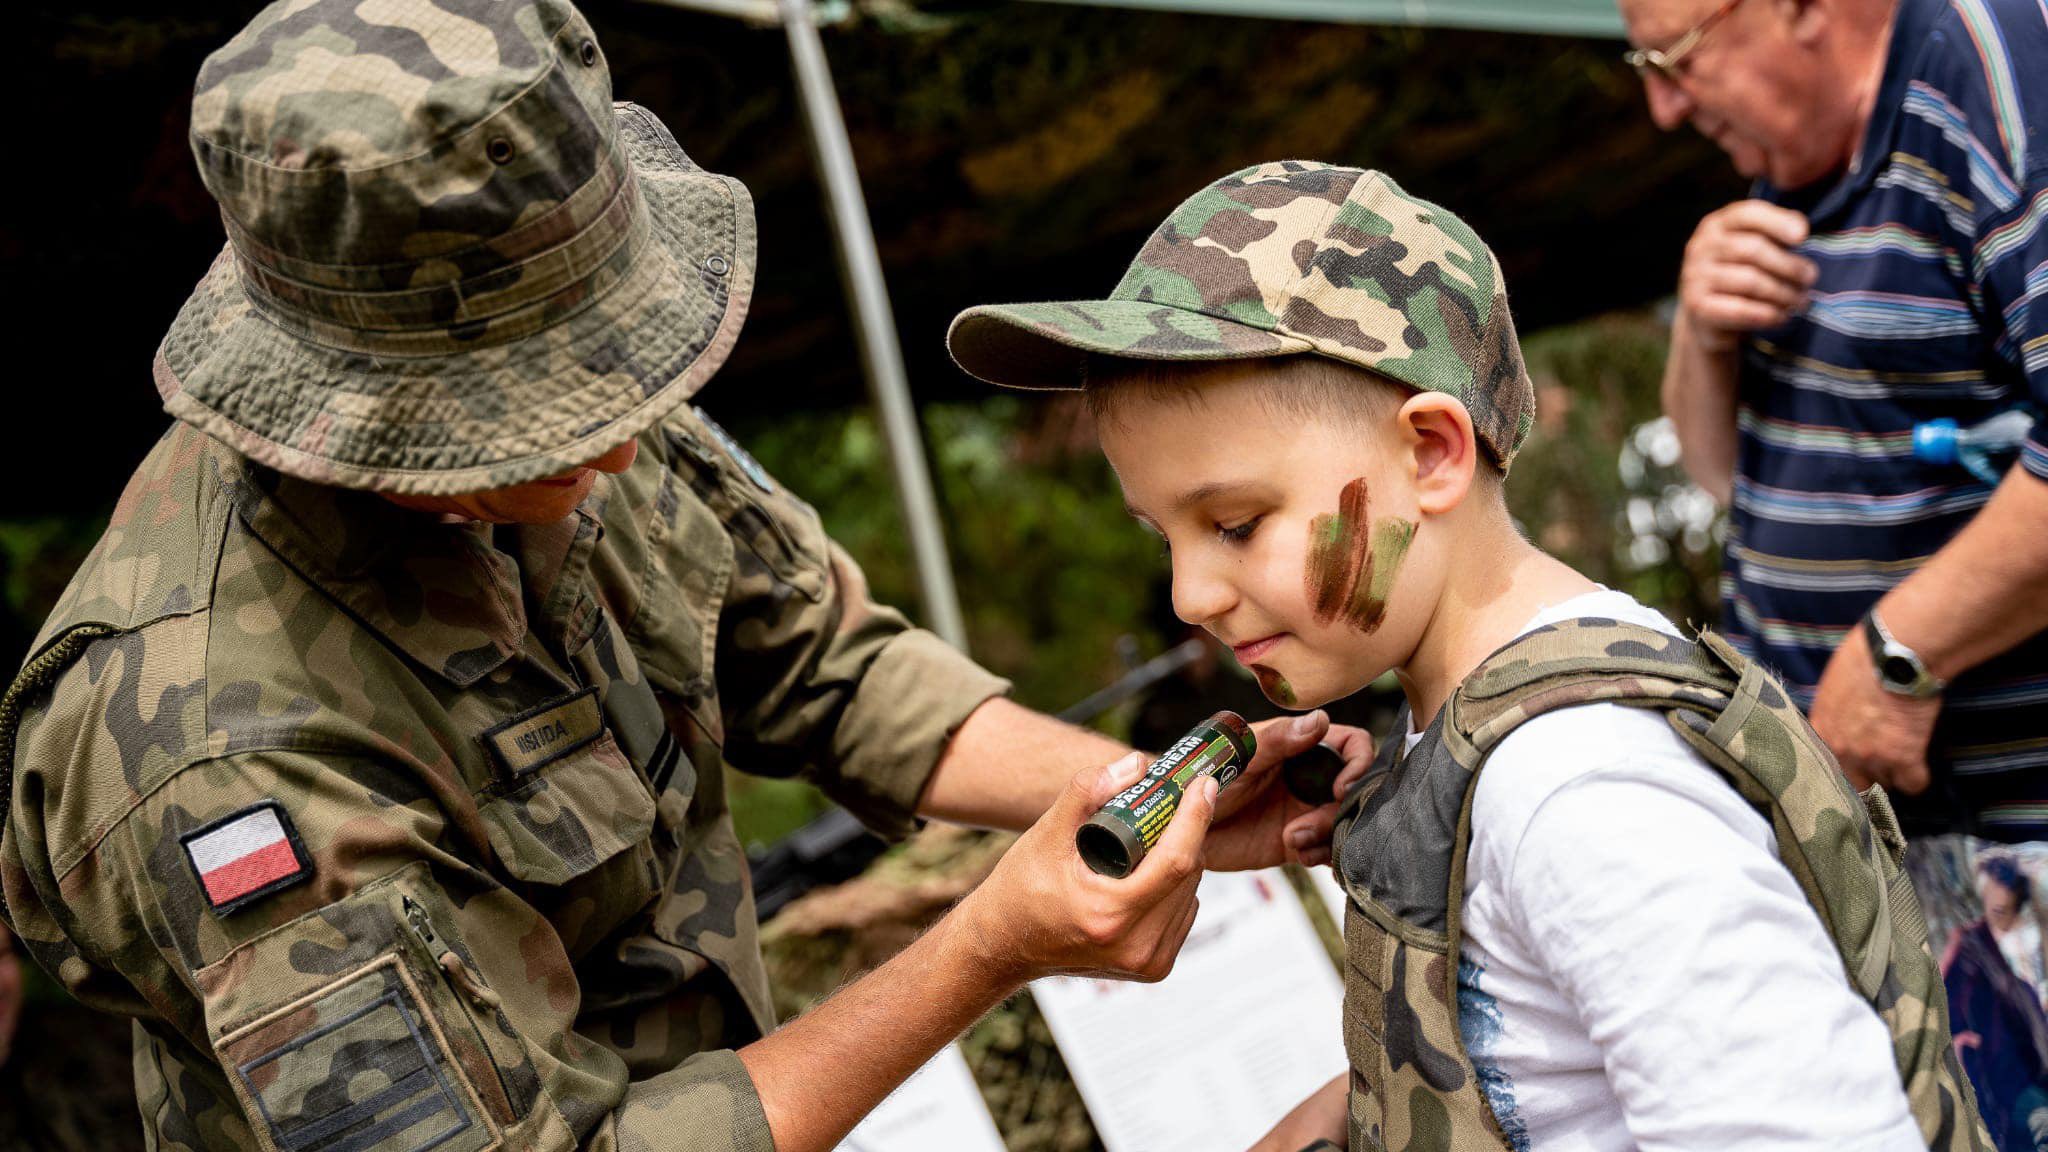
<point x="1326" y="886"/>
<point x="1249" y="1023"/>
<point x="939" y="1109"/>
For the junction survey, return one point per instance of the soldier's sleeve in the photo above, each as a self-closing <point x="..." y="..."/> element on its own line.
<point x="815" y="677"/>
<point x="320" y="967"/>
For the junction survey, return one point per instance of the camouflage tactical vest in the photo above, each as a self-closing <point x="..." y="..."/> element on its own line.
<point x="1402" y="849"/>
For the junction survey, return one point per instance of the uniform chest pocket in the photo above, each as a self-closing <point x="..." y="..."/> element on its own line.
<point x="565" y="798"/>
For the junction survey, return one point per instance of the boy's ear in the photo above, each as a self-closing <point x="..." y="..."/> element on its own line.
<point x="1442" y="452"/>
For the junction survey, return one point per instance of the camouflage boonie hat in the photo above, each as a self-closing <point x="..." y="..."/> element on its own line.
<point x="1281" y="259"/>
<point x="452" y="263"/>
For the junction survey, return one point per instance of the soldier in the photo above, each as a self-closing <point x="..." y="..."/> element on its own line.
<point x="373" y="761"/>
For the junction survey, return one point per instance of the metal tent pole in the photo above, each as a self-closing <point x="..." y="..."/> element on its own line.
<point x="881" y="355"/>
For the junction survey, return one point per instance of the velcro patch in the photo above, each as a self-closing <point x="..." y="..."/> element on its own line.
<point x="357" y="1066"/>
<point x="540" y="736"/>
<point x="245" y="855"/>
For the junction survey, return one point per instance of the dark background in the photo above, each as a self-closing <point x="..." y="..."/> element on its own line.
<point x="1009" y="151"/>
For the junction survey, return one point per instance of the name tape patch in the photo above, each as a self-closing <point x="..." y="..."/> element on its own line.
<point x="246" y="855"/>
<point x="540" y="736"/>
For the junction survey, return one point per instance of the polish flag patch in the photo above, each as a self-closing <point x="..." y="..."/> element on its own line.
<point x="246" y="854"/>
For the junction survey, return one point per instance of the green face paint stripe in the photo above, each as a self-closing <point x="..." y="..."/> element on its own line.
<point x="1390" y="540"/>
<point x="1274" y="685"/>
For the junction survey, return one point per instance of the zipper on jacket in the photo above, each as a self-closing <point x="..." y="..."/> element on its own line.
<point x="460" y="977"/>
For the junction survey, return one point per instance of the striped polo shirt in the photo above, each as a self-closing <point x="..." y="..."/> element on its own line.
<point x="1932" y="301"/>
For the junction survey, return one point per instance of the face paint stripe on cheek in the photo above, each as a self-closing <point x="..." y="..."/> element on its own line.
<point x="1338" y="551"/>
<point x="1351" y="567"/>
<point x="1390" y="540"/>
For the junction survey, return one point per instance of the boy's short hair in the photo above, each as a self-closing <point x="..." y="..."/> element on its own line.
<point x="1305" y="387"/>
<point x="1311" y="387"/>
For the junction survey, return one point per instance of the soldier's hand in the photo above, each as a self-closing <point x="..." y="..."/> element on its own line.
<point x="1043" y="911"/>
<point x="1741" y="273"/>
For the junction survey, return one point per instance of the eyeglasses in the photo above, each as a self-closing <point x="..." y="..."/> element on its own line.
<point x="1665" y="61"/>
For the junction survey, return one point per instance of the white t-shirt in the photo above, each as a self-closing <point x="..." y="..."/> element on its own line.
<point x="1639" y="970"/>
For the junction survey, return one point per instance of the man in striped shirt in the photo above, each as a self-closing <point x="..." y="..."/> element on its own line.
<point x="1892" y="268"/>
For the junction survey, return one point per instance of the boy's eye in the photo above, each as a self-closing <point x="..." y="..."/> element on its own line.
<point x="1238" y="533"/>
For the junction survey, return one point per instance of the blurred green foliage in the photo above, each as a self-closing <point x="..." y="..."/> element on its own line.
<point x="1050" y="568"/>
<point x="1598" y="485"/>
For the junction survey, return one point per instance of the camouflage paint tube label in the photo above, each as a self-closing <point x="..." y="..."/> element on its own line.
<point x="1123" y="830"/>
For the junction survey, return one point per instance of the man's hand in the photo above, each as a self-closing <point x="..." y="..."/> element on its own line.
<point x="1741" y="273"/>
<point x="1879" y="737"/>
<point x="1259" y="824"/>
<point x="1042" y="911"/>
<point x="1321" y="1121"/>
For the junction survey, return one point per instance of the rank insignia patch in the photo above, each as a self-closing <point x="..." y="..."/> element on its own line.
<point x="246" y="854"/>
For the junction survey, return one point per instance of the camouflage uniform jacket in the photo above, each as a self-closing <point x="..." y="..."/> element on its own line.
<point x="508" y="908"/>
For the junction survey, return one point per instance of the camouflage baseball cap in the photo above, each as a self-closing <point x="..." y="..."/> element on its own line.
<point x="1282" y="259"/>
<point x="452" y="262"/>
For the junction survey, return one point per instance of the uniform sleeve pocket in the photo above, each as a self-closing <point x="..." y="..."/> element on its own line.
<point x="337" y="1031"/>
<point x="558" y="821"/>
<point x="357" y="1064"/>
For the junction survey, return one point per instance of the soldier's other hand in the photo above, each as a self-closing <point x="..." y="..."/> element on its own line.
<point x="1259" y="823"/>
<point x="1741" y="274"/>
<point x="1043" y="911"/>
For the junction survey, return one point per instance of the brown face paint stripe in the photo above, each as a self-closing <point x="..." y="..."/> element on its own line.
<point x="1338" y="551"/>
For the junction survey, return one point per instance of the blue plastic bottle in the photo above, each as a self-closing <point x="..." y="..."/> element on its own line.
<point x="1986" y="449"/>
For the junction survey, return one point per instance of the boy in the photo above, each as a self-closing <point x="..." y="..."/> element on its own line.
<point x="1670" y="921"/>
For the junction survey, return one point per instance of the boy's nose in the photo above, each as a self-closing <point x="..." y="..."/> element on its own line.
<point x="1199" y="599"/>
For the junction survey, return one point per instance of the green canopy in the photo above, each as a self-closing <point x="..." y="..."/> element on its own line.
<point x="1556" y="17"/>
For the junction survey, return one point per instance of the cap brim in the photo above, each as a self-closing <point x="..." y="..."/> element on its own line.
<point x="1047" y="346"/>
<point x="535" y="407"/>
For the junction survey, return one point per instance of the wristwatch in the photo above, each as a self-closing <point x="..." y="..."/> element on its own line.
<point x="1900" y="670"/>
